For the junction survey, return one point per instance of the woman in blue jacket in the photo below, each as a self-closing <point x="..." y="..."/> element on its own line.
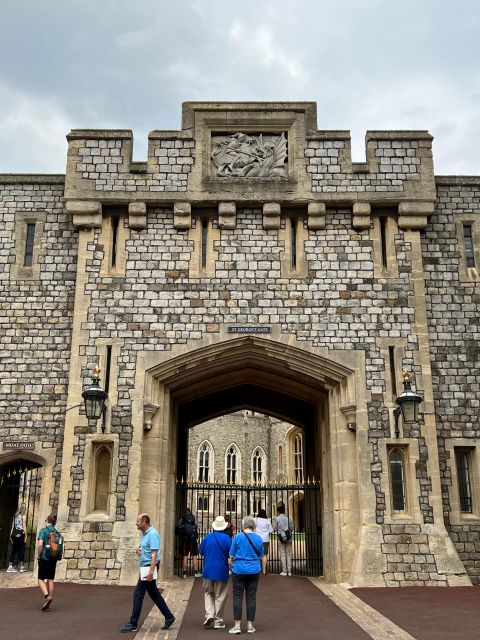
<point x="245" y="559"/>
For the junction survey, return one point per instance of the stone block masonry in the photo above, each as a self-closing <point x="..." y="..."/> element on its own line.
<point x="356" y="271"/>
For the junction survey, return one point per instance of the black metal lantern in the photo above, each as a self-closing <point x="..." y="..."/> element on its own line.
<point x="94" y="397"/>
<point x="408" y="402"/>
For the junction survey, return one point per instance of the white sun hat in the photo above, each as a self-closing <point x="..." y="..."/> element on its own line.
<point x="219" y="524"/>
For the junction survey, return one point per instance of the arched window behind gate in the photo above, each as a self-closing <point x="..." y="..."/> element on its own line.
<point x="258" y="466"/>
<point x="298" y="458"/>
<point x="103" y="465"/>
<point x="204" y="462"/>
<point x="397" y="479"/>
<point x="232" y="464"/>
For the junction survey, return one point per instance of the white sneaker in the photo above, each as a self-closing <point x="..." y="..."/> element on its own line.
<point x="251" y="630"/>
<point x="219" y="625"/>
<point x="289" y="573"/>
<point x="22" y="569"/>
<point x="234" y="630"/>
<point x="284" y="573"/>
<point x="11" y="569"/>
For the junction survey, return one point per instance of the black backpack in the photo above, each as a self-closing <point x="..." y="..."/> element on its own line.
<point x="188" y="528"/>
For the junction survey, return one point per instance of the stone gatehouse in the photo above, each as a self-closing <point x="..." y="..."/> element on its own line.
<point x="247" y="265"/>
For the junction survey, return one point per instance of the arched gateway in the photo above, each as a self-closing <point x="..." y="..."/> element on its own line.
<point x="249" y="263"/>
<point x="300" y="385"/>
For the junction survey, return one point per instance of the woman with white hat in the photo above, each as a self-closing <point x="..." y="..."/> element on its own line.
<point x="215" y="549"/>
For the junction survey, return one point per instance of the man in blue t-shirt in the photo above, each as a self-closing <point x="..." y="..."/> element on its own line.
<point x="215" y="549"/>
<point x="148" y="553"/>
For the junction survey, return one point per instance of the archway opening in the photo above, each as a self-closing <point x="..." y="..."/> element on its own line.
<point x="20" y="484"/>
<point x="236" y="467"/>
<point x="305" y="389"/>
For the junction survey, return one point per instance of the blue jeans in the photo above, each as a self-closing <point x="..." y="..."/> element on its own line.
<point x="151" y="588"/>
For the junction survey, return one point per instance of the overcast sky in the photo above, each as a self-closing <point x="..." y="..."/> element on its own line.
<point x="369" y="64"/>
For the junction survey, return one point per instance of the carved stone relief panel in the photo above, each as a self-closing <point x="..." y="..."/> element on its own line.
<point x="242" y="155"/>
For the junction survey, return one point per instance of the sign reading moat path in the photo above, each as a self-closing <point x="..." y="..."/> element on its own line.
<point x="14" y="444"/>
<point x="249" y="156"/>
<point x="240" y="329"/>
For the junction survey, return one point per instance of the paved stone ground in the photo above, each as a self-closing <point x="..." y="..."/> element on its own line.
<point x="429" y="613"/>
<point x="80" y="612"/>
<point x="294" y="607"/>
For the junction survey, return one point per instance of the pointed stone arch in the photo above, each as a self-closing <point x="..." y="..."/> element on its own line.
<point x="318" y="389"/>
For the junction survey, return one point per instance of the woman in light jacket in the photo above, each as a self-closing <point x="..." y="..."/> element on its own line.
<point x="264" y="529"/>
<point x="18" y="534"/>
<point x="246" y="553"/>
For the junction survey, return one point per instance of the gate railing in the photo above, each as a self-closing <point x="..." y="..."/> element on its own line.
<point x="302" y="503"/>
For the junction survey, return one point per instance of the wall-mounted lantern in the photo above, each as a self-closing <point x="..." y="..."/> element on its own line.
<point x="94" y="397"/>
<point x="408" y="402"/>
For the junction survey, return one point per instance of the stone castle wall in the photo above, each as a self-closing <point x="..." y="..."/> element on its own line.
<point x="36" y="316"/>
<point x="453" y="305"/>
<point x="338" y="299"/>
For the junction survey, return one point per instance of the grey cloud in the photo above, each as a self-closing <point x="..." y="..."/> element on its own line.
<point x="369" y="64"/>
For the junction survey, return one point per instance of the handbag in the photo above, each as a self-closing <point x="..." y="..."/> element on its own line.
<point x="284" y="536"/>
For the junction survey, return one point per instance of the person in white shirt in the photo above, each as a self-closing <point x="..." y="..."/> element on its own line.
<point x="263" y="526"/>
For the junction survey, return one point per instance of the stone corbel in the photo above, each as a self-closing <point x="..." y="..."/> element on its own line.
<point x="182" y="215"/>
<point x="350" y="413"/>
<point x="227" y="215"/>
<point x="85" y="214"/>
<point x="361" y="215"/>
<point x="414" y="215"/>
<point x="271" y="215"/>
<point x="137" y="215"/>
<point x="149" y="410"/>
<point x="316" y="215"/>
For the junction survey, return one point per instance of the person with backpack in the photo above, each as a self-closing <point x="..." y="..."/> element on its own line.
<point x="189" y="542"/>
<point x="49" y="552"/>
<point x="284" y="529"/>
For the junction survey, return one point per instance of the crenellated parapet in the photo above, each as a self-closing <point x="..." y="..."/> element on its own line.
<point x="248" y="153"/>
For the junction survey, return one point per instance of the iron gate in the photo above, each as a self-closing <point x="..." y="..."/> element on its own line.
<point x="302" y="505"/>
<point x="20" y="483"/>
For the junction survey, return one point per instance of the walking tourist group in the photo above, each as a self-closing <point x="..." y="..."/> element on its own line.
<point x="241" y="556"/>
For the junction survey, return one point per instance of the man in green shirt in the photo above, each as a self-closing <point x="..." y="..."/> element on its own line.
<point x="47" y="563"/>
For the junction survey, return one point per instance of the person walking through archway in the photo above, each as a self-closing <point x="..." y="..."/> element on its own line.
<point x="215" y="550"/>
<point x="49" y="552"/>
<point x="246" y="553"/>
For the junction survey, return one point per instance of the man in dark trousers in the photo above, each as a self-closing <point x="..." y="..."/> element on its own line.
<point x="149" y="558"/>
